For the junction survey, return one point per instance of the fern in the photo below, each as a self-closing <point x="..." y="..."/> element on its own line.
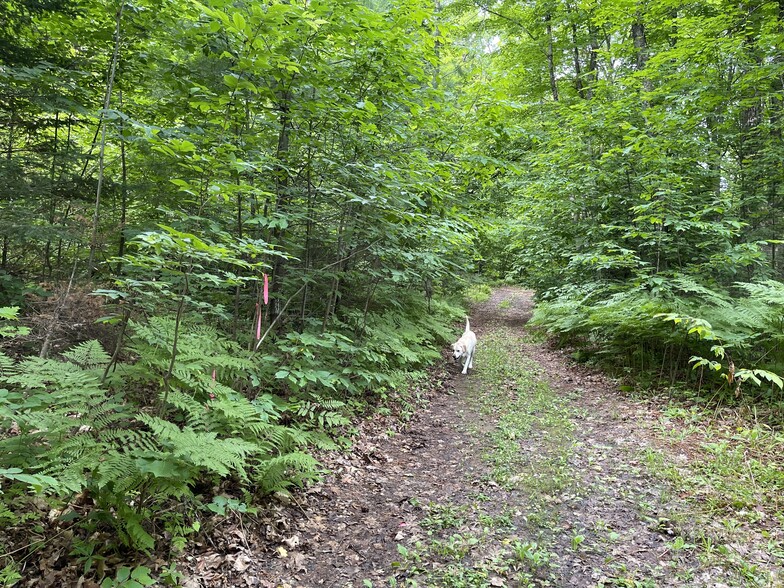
<point x="237" y="415"/>
<point x="88" y="355"/>
<point x="119" y="470"/>
<point x="282" y="472"/>
<point x="195" y="412"/>
<point x="624" y="321"/>
<point x="200" y="349"/>
<point x="75" y="434"/>
<point x="7" y="366"/>
<point x="203" y="450"/>
<point x="769" y="292"/>
<point x="321" y="412"/>
<point x="136" y="534"/>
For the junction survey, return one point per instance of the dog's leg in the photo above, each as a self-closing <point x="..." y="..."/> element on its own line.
<point x="465" y="365"/>
<point x="471" y="360"/>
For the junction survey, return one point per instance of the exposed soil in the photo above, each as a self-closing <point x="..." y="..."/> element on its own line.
<point x="376" y="507"/>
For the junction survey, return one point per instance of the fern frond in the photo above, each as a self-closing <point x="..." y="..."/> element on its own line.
<point x="281" y="472"/>
<point x="194" y="411"/>
<point x="132" y="440"/>
<point x="8" y="366"/>
<point x="118" y="470"/>
<point x="769" y="292"/>
<point x="136" y="535"/>
<point x="205" y="450"/>
<point x="35" y="373"/>
<point x="88" y="355"/>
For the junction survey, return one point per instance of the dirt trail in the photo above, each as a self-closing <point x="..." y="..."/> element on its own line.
<point x="426" y="506"/>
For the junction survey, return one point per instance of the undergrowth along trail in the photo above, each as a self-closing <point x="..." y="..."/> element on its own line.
<point x="532" y="472"/>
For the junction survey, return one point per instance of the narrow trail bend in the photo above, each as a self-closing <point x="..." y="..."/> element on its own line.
<point x="531" y="472"/>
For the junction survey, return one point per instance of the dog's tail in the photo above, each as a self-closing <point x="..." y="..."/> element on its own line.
<point x="468" y="325"/>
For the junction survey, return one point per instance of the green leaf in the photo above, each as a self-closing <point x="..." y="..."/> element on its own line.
<point x="239" y="21"/>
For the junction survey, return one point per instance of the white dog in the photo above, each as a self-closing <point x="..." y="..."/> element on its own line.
<point x="464" y="348"/>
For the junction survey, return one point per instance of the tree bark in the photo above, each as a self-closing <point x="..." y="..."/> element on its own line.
<point x="9" y="155"/>
<point x="102" y="150"/>
<point x="123" y="193"/>
<point x="640" y="43"/>
<point x="52" y="205"/>
<point x="591" y="75"/>
<point x="578" y="73"/>
<point x="282" y="196"/>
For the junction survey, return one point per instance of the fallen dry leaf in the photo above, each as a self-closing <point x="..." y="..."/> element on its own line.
<point x="242" y="562"/>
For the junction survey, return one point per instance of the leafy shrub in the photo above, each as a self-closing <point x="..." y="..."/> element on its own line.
<point x="675" y="321"/>
<point x="341" y="363"/>
<point x="476" y="293"/>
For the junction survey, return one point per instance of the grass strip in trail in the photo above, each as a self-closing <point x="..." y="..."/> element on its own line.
<point x="533" y="434"/>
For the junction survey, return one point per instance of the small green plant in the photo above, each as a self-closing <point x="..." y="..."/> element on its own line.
<point x="477" y="293"/>
<point x="9" y="575"/>
<point x="88" y="553"/>
<point x="577" y="540"/>
<point x="409" y="558"/>
<point x="501" y="521"/>
<point x="680" y="544"/>
<point x="443" y="516"/>
<point x="456" y="546"/>
<point x="170" y="576"/>
<point x="126" y="577"/>
<point x="222" y="504"/>
<point x="530" y="554"/>
<point x="10" y="313"/>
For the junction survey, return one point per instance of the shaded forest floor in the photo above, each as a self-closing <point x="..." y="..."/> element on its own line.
<point x="530" y="471"/>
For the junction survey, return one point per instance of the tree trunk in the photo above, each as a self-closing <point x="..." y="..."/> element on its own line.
<point x="52" y="205"/>
<point x="308" y="229"/>
<point x="9" y="154"/>
<point x="591" y="75"/>
<point x="332" y="299"/>
<point x="102" y="150"/>
<point x="123" y="192"/>
<point x="640" y="44"/>
<point x="550" y="57"/>
<point x="641" y="50"/>
<point x="578" y="73"/>
<point x="282" y="196"/>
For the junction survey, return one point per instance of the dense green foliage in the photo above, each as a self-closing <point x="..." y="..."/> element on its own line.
<point x="632" y="156"/>
<point x="262" y="198"/>
<point x="275" y="203"/>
